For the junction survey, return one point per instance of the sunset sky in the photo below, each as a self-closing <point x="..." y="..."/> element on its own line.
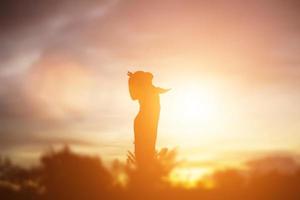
<point x="233" y="68"/>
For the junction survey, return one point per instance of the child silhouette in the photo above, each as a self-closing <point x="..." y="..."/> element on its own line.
<point x="146" y="121"/>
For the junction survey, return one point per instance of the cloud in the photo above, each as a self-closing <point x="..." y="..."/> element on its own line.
<point x="255" y="42"/>
<point x="28" y="28"/>
<point x="31" y="34"/>
<point x="285" y="163"/>
<point x="12" y="140"/>
<point x="16" y="15"/>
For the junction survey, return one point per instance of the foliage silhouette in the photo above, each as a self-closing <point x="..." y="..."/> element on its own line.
<point x="64" y="174"/>
<point x="156" y="173"/>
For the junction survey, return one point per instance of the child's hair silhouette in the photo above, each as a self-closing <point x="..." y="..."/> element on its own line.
<point x="146" y="121"/>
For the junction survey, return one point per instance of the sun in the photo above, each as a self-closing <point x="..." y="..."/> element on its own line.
<point x="195" y="104"/>
<point x="195" y="109"/>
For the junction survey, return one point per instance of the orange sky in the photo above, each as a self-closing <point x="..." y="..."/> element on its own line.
<point x="233" y="68"/>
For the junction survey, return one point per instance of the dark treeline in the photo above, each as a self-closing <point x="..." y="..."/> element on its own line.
<point x="65" y="175"/>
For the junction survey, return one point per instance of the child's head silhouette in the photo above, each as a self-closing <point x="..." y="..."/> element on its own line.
<point x="140" y="84"/>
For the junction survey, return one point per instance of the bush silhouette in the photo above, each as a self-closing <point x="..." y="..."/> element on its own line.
<point x="156" y="171"/>
<point x="64" y="175"/>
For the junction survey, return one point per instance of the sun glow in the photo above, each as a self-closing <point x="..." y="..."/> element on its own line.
<point x="190" y="177"/>
<point x="195" y="105"/>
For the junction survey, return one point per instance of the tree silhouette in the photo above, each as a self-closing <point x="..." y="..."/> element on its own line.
<point x="66" y="175"/>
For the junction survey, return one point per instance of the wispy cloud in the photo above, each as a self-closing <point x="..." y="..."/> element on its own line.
<point x="253" y="44"/>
